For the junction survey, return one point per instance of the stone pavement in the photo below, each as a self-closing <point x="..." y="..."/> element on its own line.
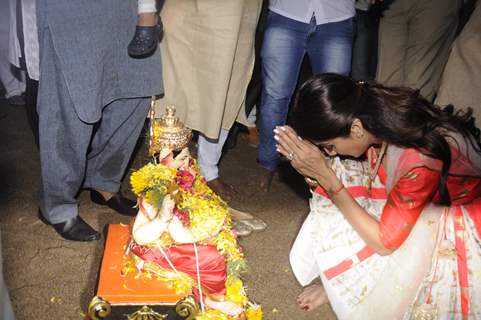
<point x="50" y="278"/>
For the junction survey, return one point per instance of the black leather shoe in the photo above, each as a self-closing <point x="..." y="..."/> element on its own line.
<point x="145" y="41"/>
<point x="75" y="229"/>
<point x="117" y="202"/>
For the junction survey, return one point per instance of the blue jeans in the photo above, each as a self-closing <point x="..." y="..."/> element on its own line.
<point x="286" y="41"/>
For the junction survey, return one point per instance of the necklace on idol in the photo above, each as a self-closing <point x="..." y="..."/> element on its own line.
<point x="373" y="172"/>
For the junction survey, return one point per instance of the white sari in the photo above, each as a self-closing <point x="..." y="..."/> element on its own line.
<point x="417" y="281"/>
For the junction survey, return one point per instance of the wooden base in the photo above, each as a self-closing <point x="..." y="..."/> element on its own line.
<point x="122" y="296"/>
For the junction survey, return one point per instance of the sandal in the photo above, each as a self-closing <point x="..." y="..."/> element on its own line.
<point x="145" y="41"/>
<point x="241" y="229"/>
<point x="239" y="215"/>
<point x="248" y="219"/>
<point x="255" y="224"/>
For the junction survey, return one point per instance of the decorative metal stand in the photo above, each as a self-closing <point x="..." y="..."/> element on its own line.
<point x="146" y="313"/>
<point x="98" y="308"/>
<point x="186" y="308"/>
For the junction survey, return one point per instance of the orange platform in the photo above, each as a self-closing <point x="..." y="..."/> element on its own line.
<point x="118" y="289"/>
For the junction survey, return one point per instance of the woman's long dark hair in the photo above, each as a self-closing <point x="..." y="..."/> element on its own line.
<point x="327" y="104"/>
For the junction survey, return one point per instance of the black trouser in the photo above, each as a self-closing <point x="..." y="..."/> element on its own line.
<point x="31" y="106"/>
<point x="364" y="50"/>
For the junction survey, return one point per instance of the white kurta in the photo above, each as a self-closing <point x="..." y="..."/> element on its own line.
<point x="208" y="57"/>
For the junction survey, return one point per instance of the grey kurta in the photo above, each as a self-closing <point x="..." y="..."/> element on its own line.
<point x="92" y="98"/>
<point x="90" y="39"/>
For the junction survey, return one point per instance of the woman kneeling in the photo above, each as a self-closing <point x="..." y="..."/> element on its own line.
<point x="394" y="228"/>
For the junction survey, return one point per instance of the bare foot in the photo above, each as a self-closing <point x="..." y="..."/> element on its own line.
<point x="222" y="189"/>
<point x="312" y="297"/>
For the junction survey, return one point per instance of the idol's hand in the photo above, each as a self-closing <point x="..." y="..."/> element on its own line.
<point x="167" y="209"/>
<point x="305" y="157"/>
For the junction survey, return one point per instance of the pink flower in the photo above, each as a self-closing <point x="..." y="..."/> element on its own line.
<point x="184" y="179"/>
<point x="183" y="216"/>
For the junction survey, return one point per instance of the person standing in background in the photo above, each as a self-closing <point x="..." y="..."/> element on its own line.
<point x="208" y="58"/>
<point x="364" y="50"/>
<point x="12" y="77"/>
<point x="24" y="54"/>
<point x="460" y="84"/>
<point x="414" y="42"/>
<point x="321" y="28"/>
<point x="92" y="103"/>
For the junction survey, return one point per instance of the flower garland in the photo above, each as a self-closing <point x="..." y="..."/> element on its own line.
<point x="207" y="216"/>
<point x="253" y="312"/>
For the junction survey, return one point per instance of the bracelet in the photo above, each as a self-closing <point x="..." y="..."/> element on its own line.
<point x="336" y="191"/>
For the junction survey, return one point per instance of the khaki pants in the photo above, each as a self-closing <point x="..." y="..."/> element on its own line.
<point x="460" y="84"/>
<point x="414" y="42"/>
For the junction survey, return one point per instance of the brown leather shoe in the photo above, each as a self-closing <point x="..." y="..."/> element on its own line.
<point x="222" y="189"/>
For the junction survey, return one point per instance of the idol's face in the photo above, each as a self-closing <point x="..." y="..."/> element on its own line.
<point x="346" y="146"/>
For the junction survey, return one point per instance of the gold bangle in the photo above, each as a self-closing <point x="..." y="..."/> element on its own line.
<point x="333" y="193"/>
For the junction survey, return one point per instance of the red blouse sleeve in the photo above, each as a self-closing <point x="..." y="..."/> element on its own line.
<point x="404" y="205"/>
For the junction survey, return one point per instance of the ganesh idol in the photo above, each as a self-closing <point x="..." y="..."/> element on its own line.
<point x="182" y="232"/>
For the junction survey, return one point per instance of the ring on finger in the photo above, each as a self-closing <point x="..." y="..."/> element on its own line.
<point x="311" y="181"/>
<point x="291" y="156"/>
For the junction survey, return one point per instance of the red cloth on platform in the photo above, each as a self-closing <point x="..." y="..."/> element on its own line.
<point x="212" y="265"/>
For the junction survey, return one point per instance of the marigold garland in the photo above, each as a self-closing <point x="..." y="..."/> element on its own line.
<point x="235" y="291"/>
<point x="151" y="176"/>
<point x="212" y="314"/>
<point x="226" y="243"/>
<point x="206" y="214"/>
<point x="254" y="312"/>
